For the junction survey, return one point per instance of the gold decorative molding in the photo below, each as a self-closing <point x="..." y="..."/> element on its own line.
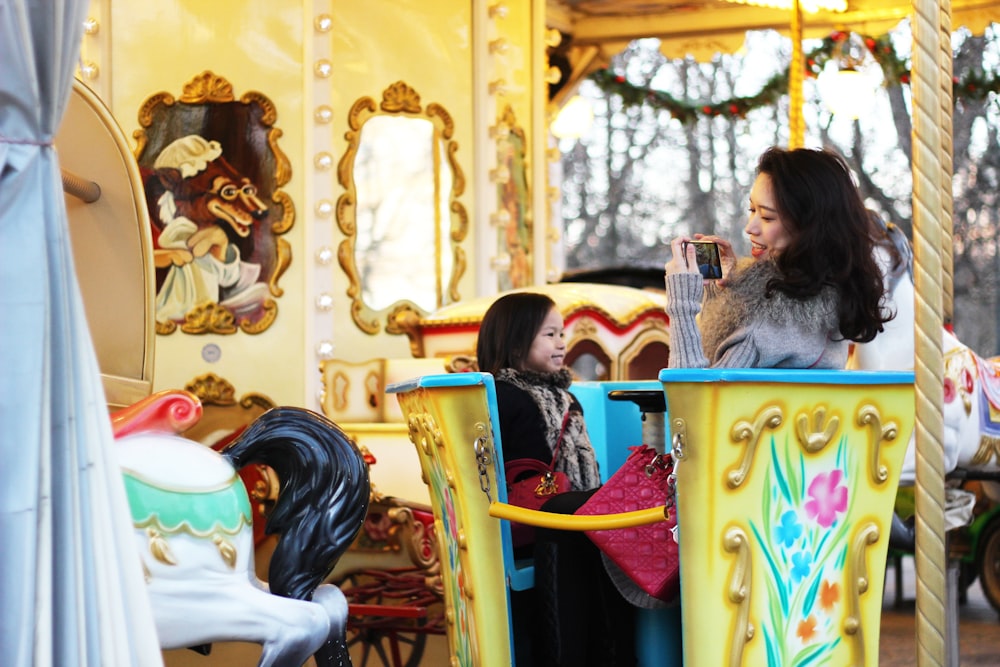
<point x="226" y="550"/>
<point x="165" y="328"/>
<point x="740" y="582"/>
<point x="270" y="312"/>
<point x="400" y="99"/>
<point x="202" y="108"/>
<point x="209" y="317"/>
<point x="770" y="417"/>
<point x="423" y="432"/>
<point x="283" y="253"/>
<point x="585" y="327"/>
<point x="340" y="384"/>
<point x="820" y="436"/>
<point x="461" y="363"/>
<point x="400" y="317"/>
<point x="284" y="200"/>
<point x="989" y="448"/>
<point x="159" y="548"/>
<point x="210" y="388"/>
<point x="419" y="542"/>
<point x="207" y="88"/>
<point x="858" y="583"/>
<point x="458" y="255"/>
<point x="868" y="415"/>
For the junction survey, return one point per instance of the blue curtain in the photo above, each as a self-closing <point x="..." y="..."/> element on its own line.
<point x="71" y="587"/>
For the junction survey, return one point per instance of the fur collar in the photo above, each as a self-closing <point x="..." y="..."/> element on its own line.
<point x="743" y="301"/>
<point x="550" y="392"/>
<point x="560" y="379"/>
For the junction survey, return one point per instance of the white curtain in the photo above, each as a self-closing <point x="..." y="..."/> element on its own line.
<point x="71" y="587"/>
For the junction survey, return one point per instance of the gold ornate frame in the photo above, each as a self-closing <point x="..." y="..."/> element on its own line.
<point x="398" y="99"/>
<point x="515" y="230"/>
<point x="208" y="107"/>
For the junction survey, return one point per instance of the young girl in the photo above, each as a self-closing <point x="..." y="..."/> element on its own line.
<point x="521" y="343"/>
<point x="810" y="286"/>
<point x="574" y="616"/>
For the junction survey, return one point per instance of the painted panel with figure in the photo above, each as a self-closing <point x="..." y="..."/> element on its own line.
<point x="212" y="172"/>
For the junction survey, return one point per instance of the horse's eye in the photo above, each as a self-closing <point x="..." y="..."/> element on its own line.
<point x="229" y="192"/>
<point x="249" y="191"/>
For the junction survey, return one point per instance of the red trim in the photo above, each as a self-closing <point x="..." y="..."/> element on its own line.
<point x="614" y="326"/>
<point x="399" y="611"/>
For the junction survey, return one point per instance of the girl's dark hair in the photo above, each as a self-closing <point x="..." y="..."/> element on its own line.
<point x="508" y="329"/>
<point x="830" y="237"/>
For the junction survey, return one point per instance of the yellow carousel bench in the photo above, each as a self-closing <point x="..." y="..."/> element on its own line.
<point x="452" y="420"/>
<point x="786" y="482"/>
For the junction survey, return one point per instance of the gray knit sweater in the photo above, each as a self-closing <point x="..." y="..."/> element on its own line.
<point x="741" y="328"/>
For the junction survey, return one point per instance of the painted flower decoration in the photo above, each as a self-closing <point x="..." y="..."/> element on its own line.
<point x="806" y="629"/>
<point x="801" y="563"/>
<point x="789" y="529"/>
<point x="449" y="511"/>
<point x="829" y="594"/>
<point x="827" y="498"/>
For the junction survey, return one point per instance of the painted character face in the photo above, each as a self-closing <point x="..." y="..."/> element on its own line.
<point x="767" y="232"/>
<point x="218" y="194"/>
<point x="549" y="347"/>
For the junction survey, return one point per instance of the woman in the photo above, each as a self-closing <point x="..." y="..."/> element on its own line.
<point x="810" y="286"/>
<point x="574" y="617"/>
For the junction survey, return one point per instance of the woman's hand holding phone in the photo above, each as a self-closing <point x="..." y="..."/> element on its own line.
<point x="705" y="255"/>
<point x="682" y="259"/>
<point x="727" y="256"/>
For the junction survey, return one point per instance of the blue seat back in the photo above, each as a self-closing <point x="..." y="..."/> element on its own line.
<point x="613" y="426"/>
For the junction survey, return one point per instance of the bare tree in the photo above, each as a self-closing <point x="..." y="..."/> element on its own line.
<point x="643" y="177"/>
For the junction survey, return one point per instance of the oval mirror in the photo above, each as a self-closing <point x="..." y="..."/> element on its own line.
<point x="399" y="212"/>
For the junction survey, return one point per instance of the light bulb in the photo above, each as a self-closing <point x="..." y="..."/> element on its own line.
<point x="573" y="119"/>
<point x="847" y="91"/>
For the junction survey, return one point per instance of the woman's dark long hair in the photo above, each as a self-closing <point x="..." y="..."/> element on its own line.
<point x="508" y="329"/>
<point x="831" y="237"/>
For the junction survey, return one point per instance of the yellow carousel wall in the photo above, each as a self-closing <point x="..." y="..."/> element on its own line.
<point x="303" y="57"/>
<point x="311" y="62"/>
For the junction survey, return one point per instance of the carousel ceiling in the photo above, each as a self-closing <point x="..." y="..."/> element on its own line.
<point x="595" y="30"/>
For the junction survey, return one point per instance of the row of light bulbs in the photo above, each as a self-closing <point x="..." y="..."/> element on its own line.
<point x="323" y="162"/>
<point x="500" y="134"/>
<point x="89" y="69"/>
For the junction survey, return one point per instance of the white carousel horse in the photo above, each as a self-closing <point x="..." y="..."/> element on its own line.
<point x="194" y="528"/>
<point x="971" y="383"/>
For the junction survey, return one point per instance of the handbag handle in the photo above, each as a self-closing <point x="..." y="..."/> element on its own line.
<point x="562" y="431"/>
<point x="519" y="466"/>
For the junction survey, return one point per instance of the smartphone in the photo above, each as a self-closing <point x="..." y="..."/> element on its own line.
<point x="707" y="257"/>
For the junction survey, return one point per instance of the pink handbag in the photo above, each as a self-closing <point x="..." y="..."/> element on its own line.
<point x="532" y="491"/>
<point x="647" y="554"/>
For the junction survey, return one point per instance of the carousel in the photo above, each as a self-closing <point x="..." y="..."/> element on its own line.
<point x="316" y="203"/>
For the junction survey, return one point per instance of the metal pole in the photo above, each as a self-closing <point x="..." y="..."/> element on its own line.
<point x="796" y="74"/>
<point x="80" y="187"/>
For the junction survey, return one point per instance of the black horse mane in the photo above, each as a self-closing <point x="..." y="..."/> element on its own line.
<point x="324" y="493"/>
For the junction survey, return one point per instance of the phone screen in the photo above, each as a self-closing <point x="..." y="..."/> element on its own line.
<point x="707" y="257"/>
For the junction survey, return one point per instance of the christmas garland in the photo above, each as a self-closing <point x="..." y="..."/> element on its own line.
<point x="975" y="84"/>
